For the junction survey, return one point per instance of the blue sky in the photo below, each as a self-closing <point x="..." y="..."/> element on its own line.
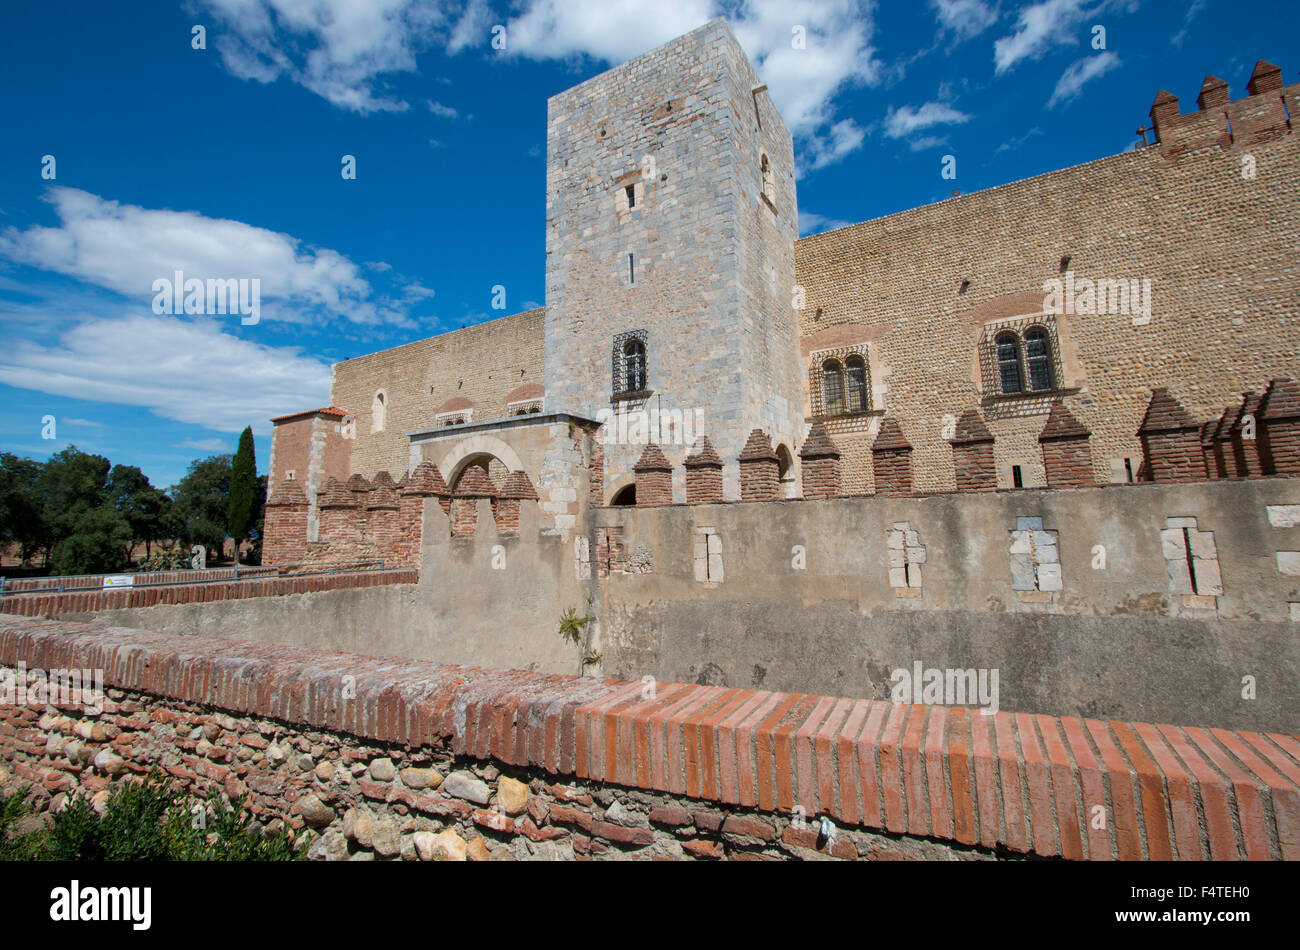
<point x="226" y="162"/>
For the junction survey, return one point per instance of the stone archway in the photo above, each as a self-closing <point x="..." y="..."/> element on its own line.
<point x="472" y="451"/>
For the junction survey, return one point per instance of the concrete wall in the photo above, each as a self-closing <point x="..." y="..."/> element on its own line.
<point x="1121" y="641"/>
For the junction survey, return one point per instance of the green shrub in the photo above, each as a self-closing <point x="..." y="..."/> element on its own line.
<point x="148" y="821"/>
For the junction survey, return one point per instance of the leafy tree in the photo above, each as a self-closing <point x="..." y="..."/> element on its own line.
<point x="202" y="501"/>
<point x="22" y="518"/>
<point x="86" y="534"/>
<point x="241" y="513"/>
<point x="140" y="503"/>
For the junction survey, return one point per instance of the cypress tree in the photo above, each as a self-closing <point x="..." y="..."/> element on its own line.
<point x="243" y="490"/>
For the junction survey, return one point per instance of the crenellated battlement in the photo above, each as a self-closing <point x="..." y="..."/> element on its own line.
<point x="1265" y="113"/>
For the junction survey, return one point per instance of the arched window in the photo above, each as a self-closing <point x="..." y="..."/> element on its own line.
<point x="1008" y="353"/>
<point x="1038" y="359"/>
<point x="378" y="410"/>
<point x="769" y="181"/>
<point x="833" y="387"/>
<point x="625" y="497"/>
<point x="634" y="365"/>
<point x="855" y="378"/>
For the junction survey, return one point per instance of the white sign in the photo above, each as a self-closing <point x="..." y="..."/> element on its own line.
<point x="119" y="580"/>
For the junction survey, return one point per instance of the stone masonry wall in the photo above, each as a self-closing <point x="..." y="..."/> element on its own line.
<point x="1217" y="245"/>
<point x="483" y="364"/>
<point x="396" y="759"/>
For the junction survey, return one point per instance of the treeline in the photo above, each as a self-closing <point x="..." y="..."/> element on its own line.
<point x="81" y="514"/>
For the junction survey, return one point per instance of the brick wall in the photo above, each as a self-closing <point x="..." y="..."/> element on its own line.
<point x="483" y="364"/>
<point x="972" y="454"/>
<point x="654" y="478"/>
<point x="1180" y="213"/>
<point x="545" y="765"/>
<point x="43" y="605"/>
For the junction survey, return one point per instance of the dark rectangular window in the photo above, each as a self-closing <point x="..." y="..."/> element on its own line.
<point x="631" y="195"/>
<point x="631" y="269"/>
<point x="1016" y="480"/>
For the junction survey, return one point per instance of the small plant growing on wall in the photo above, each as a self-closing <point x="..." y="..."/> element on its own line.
<point x="571" y="625"/>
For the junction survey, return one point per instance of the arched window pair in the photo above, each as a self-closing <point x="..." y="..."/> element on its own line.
<point x="1024" y="359"/>
<point x="844" y="386"/>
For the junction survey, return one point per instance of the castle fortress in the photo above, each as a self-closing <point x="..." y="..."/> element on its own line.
<point x="1129" y="319"/>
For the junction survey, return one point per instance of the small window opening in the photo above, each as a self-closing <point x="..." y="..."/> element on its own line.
<point x="631" y="195"/>
<point x="1017" y="480"/>
<point x="1128" y="469"/>
<point x="631" y="269"/>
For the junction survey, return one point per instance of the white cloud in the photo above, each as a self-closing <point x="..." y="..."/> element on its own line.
<point x="1195" y="7"/>
<point x="1014" y="143"/>
<point x="182" y="370"/>
<point x="473" y="27"/>
<point x="438" y="109"/>
<point x="1038" y="29"/>
<point x="812" y="223"/>
<point x="1080" y="72"/>
<point x="803" y="83"/>
<point x="82" y="422"/>
<point x="843" y="138"/>
<point x="203" y="445"/>
<point x="964" y="18"/>
<point x="338" y="49"/>
<point x="902" y="122"/>
<point x="125" y="248"/>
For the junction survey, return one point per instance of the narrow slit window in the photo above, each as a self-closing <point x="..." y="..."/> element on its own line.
<point x="631" y="195"/>
<point x="1017" y="480"/>
<point x="631" y="269"/>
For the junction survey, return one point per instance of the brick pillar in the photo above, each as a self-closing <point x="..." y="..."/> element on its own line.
<point x="703" y="474"/>
<point x="473" y="485"/>
<point x="891" y="459"/>
<point x="1246" y="452"/>
<point x="338" y="521"/>
<point x="1278" y="424"/>
<point x="382" y="517"/>
<point x="759" y="469"/>
<point x="820" y="464"/>
<point x="654" y="478"/>
<point x="1171" y="441"/>
<point x="972" y="454"/>
<point x="505" y="510"/>
<point x="1067" y="455"/>
<point x="425" y="482"/>
<point x="284" y="537"/>
<point x="360" y="489"/>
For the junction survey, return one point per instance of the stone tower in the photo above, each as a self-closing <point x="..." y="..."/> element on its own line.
<point x="671" y="220"/>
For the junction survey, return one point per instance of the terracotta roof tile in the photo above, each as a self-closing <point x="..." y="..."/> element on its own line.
<point x="519" y="486"/>
<point x="427" y="480"/>
<point x="704" y="455"/>
<point x="474" y="483"/>
<point x="1061" y="424"/>
<point x="652" y="460"/>
<point x="819" y="444"/>
<point x="337" y="495"/>
<point x="890" y="437"/>
<point x="289" y="492"/>
<point x="971" y="429"/>
<point x="326" y="411"/>
<point x="1165" y="413"/>
<point x="1282" y="400"/>
<point x="757" y="448"/>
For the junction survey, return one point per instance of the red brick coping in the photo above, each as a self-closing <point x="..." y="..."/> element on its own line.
<point x="1026" y="783"/>
<point x="41" y="605"/>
